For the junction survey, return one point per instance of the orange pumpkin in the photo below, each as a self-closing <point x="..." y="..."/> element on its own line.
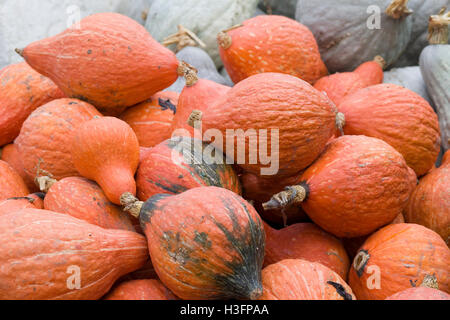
<point x="371" y="72"/>
<point x="106" y="150"/>
<point x="356" y="186"/>
<point x="430" y="202"/>
<point x="398" y="257"/>
<point x="110" y="49"/>
<point x="12" y="156"/>
<point x="296" y="279"/>
<point x="206" y="243"/>
<point x="33" y="201"/>
<point x="141" y="290"/>
<point x="152" y="120"/>
<point x="298" y="119"/>
<point x="48" y="255"/>
<point x="420" y="293"/>
<point x="45" y="138"/>
<point x="22" y="90"/>
<point x="398" y="116"/>
<point x="11" y="184"/>
<point x="176" y="165"/>
<point x="83" y="199"/>
<point x="270" y="43"/>
<point x="446" y="158"/>
<point x="308" y="242"/>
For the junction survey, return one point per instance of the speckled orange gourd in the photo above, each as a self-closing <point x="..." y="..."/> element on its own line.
<point x="11" y="183"/>
<point x="141" y="290"/>
<point x="11" y="155"/>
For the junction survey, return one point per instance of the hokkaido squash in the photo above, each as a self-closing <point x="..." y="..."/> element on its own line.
<point x="308" y="242"/>
<point x="420" y="293"/>
<point x="430" y="202"/>
<point x="110" y="49"/>
<point x="339" y="85"/>
<point x="22" y="90"/>
<point x="48" y="255"/>
<point x="292" y="120"/>
<point x="402" y="256"/>
<point x="11" y="184"/>
<point x="271" y="44"/>
<point x="11" y="155"/>
<point x="296" y="279"/>
<point x="410" y="78"/>
<point x="106" y="150"/>
<point x="34" y="201"/>
<point x="152" y="120"/>
<point x="141" y="290"/>
<point x="44" y="141"/>
<point x="356" y="186"/>
<point x="83" y="199"/>
<point x="206" y="243"/>
<point x="183" y="163"/>
<point x="398" y="116"/>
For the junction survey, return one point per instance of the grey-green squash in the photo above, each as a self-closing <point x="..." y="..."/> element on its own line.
<point x="281" y="7"/>
<point x="135" y="9"/>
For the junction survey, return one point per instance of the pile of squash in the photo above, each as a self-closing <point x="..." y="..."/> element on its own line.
<point x="103" y="194"/>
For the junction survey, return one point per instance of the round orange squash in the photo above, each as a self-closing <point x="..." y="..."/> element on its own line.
<point x="22" y="90"/>
<point x="12" y="156"/>
<point x="356" y="186"/>
<point x="106" y="150"/>
<point x="83" y="199"/>
<point x="206" y="243"/>
<point x="180" y="164"/>
<point x="398" y="257"/>
<point x="292" y="121"/>
<point x="33" y="201"/>
<point x="141" y="290"/>
<point x="398" y="116"/>
<point x="45" y="139"/>
<point x="48" y="255"/>
<point x="308" y="242"/>
<point x="108" y="49"/>
<point x="11" y="184"/>
<point x="296" y="279"/>
<point x="420" y="293"/>
<point x="270" y="43"/>
<point x="430" y="202"/>
<point x="371" y="72"/>
<point x="152" y="120"/>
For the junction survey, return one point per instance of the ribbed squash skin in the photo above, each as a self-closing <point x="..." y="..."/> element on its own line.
<point x="308" y="242"/>
<point x="22" y="90"/>
<point x="11" y="184"/>
<point x="405" y="254"/>
<point x="304" y="117"/>
<point x="398" y="116"/>
<point x="33" y="201"/>
<point x="46" y="136"/>
<point x="106" y="150"/>
<point x="421" y="293"/>
<point x="39" y="247"/>
<point x="159" y="171"/>
<point x="272" y="44"/>
<point x="11" y="155"/>
<point x="356" y="186"/>
<point x="430" y="202"/>
<point x="296" y="279"/>
<point x="141" y="290"/>
<point x="206" y="243"/>
<point x="152" y="120"/>
<point x="110" y="49"/>
<point x="85" y="200"/>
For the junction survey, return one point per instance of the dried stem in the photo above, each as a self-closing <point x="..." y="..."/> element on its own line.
<point x="196" y="116"/>
<point x="438" y="27"/>
<point x="380" y="60"/>
<point x="43" y="179"/>
<point x="188" y="72"/>
<point x="224" y="39"/>
<point x="183" y="38"/>
<point x="340" y="122"/>
<point x="131" y="204"/>
<point x="398" y="9"/>
<point x="430" y="281"/>
<point x="19" y="52"/>
<point x="290" y="196"/>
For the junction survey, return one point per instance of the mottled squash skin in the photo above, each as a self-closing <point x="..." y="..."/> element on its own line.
<point x="271" y="44"/>
<point x="405" y="254"/>
<point x="206" y="243"/>
<point x="110" y="49"/>
<point x="398" y="116"/>
<point x="11" y="184"/>
<point x="421" y="293"/>
<point x="296" y="279"/>
<point x="45" y="138"/>
<point x="304" y="117"/>
<point x="141" y="290"/>
<point x="308" y="242"/>
<point x="356" y="186"/>
<point x="85" y="200"/>
<point x="12" y="156"/>
<point x="106" y="150"/>
<point x="22" y="90"/>
<point x="159" y="171"/>
<point x="33" y="201"/>
<point x="39" y="248"/>
<point x="152" y="120"/>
